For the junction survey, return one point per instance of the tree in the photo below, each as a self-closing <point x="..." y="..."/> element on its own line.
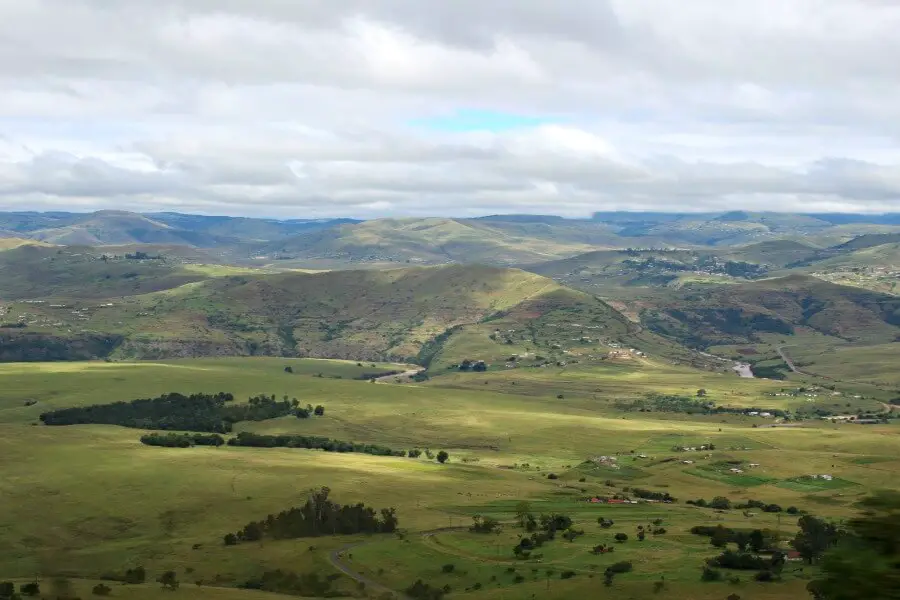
<point x="720" y="503"/>
<point x="32" y="588"/>
<point x="757" y="541"/>
<point x="136" y="575"/>
<point x="442" y="456"/>
<point x="814" y="538"/>
<point x="319" y="410"/>
<point x="289" y="369"/>
<point x="701" y="393"/>
<point x="641" y="535"/>
<point x="7" y="589"/>
<point x="230" y="539"/>
<point x="169" y="580"/>
<point x="523" y="511"/>
<point x="101" y="589"/>
<point x="863" y="564"/>
<point x="621" y="537"/>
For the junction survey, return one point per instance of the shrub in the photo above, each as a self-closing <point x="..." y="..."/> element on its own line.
<point x="624" y="566"/>
<point x="621" y="537"/>
<point x="442" y="456"/>
<point x="552" y="476"/>
<point x="449" y="568"/>
<point x="764" y="576"/>
<point x="567" y="575"/>
<point x="720" y="503"/>
<point x="30" y="589"/>
<point x="101" y="589"/>
<point x="710" y="575"/>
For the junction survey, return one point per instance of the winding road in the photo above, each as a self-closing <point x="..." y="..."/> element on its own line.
<point x="403" y="375"/>
<point x="338" y="560"/>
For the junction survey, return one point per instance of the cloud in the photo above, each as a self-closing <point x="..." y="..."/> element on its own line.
<point x="399" y="107"/>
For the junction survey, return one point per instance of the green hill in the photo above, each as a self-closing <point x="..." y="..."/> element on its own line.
<point x="741" y="313"/>
<point x="427" y="241"/>
<point x="39" y="272"/>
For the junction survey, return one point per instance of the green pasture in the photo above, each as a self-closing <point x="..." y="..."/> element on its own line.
<point x="89" y="500"/>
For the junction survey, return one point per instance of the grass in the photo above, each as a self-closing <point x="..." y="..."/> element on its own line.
<point x="806" y="483"/>
<point x="85" y="500"/>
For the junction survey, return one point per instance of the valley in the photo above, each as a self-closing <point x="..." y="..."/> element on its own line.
<point x="552" y="408"/>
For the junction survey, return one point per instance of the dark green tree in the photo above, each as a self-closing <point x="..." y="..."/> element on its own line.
<point x="101" y="589"/>
<point x="169" y="580"/>
<point x="442" y="456"/>
<point x="864" y="562"/>
<point x="814" y="538"/>
<point x="32" y="588"/>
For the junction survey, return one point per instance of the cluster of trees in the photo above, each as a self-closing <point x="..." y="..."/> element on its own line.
<point x="860" y="561"/>
<point x="424" y="591"/>
<point x="8" y="590"/>
<point x="174" y="411"/>
<point x="756" y="540"/>
<point x="615" y="569"/>
<point x="746" y="561"/>
<point x="693" y="406"/>
<point x="472" y="365"/>
<point x="542" y="530"/>
<point x="484" y="525"/>
<point x="723" y="503"/>
<point x="255" y="440"/>
<point x="317" y="517"/>
<point x="182" y="440"/>
<point x="295" y="584"/>
<point x="652" y="495"/>
<point x="305" y="413"/>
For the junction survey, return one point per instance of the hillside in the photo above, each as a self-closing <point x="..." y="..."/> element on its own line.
<point x="622" y="272"/>
<point x="39" y="272"/>
<point x="782" y="306"/>
<point x="427" y="241"/>
<point x="407" y="314"/>
<point x="115" y="227"/>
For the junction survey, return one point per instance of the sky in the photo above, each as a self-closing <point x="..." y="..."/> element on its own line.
<point x="370" y="108"/>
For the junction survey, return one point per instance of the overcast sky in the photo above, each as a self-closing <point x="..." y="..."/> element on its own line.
<point x="365" y="108"/>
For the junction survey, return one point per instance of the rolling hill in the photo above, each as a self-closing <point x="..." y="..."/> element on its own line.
<point x="406" y="314"/>
<point x="425" y="241"/>
<point x="782" y="306"/>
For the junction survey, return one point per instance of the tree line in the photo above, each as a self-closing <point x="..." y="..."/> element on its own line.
<point x="319" y="516"/>
<point x="255" y="440"/>
<point x="182" y="440"/>
<point x="174" y="411"/>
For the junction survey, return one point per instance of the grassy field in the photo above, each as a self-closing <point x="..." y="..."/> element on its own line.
<point x="88" y="500"/>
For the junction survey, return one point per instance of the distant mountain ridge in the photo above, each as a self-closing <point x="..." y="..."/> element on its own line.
<point x="497" y="239"/>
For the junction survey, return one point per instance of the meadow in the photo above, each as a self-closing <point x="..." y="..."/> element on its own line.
<point x="86" y="501"/>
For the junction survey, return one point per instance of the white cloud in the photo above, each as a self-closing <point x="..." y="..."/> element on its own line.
<point x="299" y="108"/>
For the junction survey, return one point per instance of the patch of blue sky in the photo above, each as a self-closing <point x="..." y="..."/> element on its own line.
<point x="481" y="120"/>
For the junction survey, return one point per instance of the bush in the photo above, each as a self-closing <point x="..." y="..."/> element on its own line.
<point x="449" y="568"/>
<point x="30" y="589"/>
<point x="552" y="476"/>
<point x="621" y="537"/>
<point x="720" y="503"/>
<point x="101" y="589"/>
<point x="764" y="576"/>
<point x="710" y="575"/>
<point x="442" y="457"/>
<point x="567" y="575"/>
<point x="624" y="566"/>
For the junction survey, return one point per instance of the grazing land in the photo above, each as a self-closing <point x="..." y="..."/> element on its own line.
<point x="89" y="501"/>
